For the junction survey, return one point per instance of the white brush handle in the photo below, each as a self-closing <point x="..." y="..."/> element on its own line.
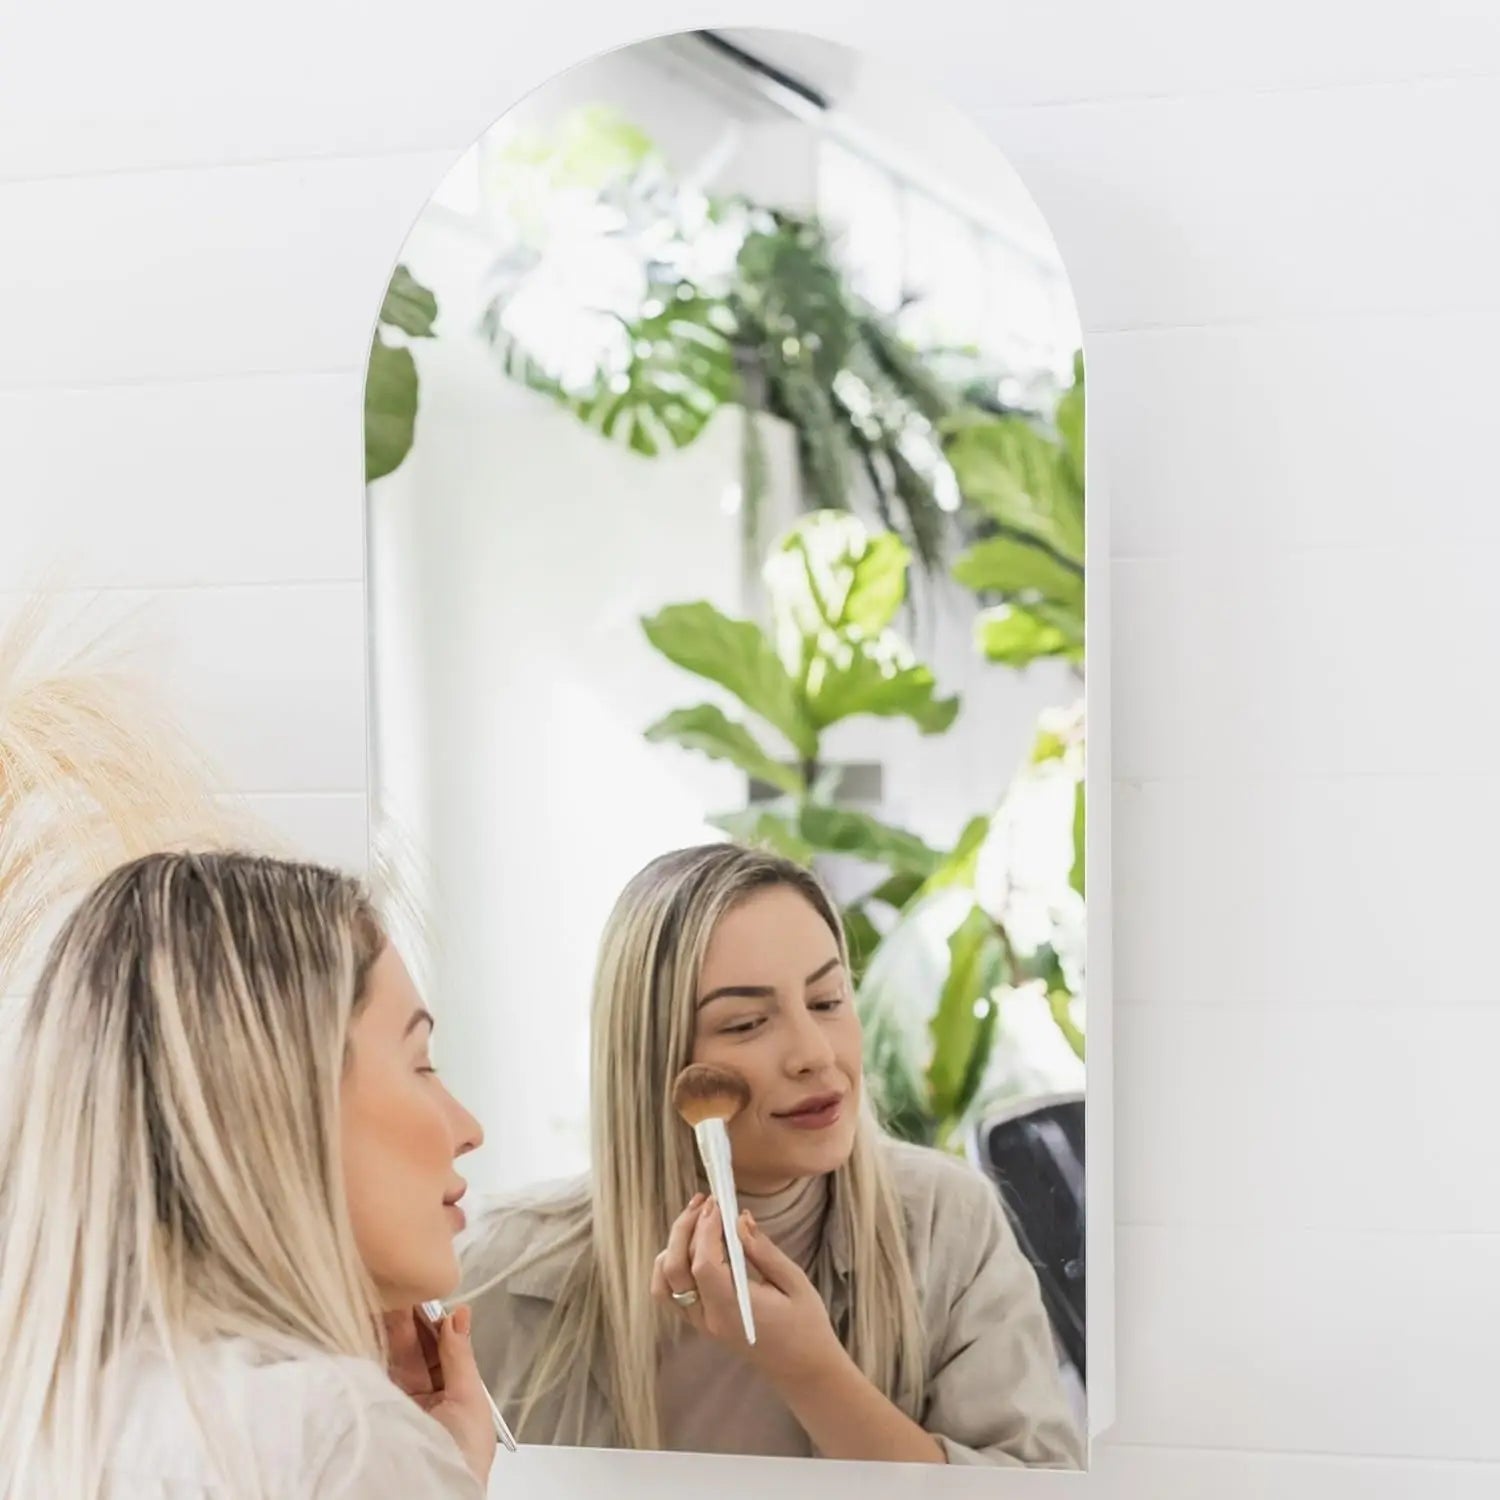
<point x="713" y="1147"/>
<point x="435" y="1312"/>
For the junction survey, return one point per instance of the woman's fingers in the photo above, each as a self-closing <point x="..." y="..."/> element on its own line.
<point x="673" y="1271"/>
<point x="712" y="1275"/>
<point x="461" y="1380"/>
<point x="408" y="1363"/>
<point x="464" y="1406"/>
<point x="427" y="1340"/>
<point x="676" y="1259"/>
<point x="778" y="1268"/>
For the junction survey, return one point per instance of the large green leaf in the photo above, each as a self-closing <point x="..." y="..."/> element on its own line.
<point x="961" y="1025"/>
<point x="960" y="866"/>
<point x="706" y="727"/>
<point x="899" y="890"/>
<point x="956" y="868"/>
<point x="841" y="830"/>
<point x="878" y="677"/>
<point x="765" y="828"/>
<point x="1021" y="571"/>
<point x="898" y="1090"/>
<point x="831" y="572"/>
<point x="680" y="370"/>
<point x="1022" y="478"/>
<point x="736" y="655"/>
<point x="409" y="306"/>
<point x="1016" y="637"/>
<point x="390" y="408"/>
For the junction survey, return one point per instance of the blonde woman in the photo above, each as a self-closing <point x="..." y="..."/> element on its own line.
<point x="896" y="1317"/>
<point x="228" y="1175"/>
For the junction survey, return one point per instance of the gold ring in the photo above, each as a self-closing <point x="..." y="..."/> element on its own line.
<point x="687" y="1298"/>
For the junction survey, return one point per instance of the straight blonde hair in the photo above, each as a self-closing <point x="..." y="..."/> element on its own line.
<point x="169" y="1166"/>
<point x="172" y="1176"/>
<point x="645" y="1170"/>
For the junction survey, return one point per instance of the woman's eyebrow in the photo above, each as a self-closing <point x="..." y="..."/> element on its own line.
<point x="417" y="1018"/>
<point x="763" y="991"/>
<point x="738" y="991"/>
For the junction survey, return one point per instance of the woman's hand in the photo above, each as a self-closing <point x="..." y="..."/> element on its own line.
<point x="436" y="1368"/>
<point x="794" y="1338"/>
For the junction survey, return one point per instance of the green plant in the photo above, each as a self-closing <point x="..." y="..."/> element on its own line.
<point x="931" y="1030"/>
<point x="702" y="303"/>
<point x="1026" y="477"/>
<point x="833" y="589"/>
<point x="391" y="377"/>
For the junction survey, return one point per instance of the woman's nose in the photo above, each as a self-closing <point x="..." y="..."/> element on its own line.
<point x="809" y="1049"/>
<point x="467" y="1131"/>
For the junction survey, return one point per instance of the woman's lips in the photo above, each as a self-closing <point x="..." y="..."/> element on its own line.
<point x="455" y="1213"/>
<point x="819" y="1115"/>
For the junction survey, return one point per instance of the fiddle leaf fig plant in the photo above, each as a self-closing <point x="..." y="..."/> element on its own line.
<point x="1026" y="478"/>
<point x="830" y="654"/>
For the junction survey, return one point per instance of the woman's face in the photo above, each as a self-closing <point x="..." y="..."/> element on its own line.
<point x="774" y="1004"/>
<point x="402" y="1132"/>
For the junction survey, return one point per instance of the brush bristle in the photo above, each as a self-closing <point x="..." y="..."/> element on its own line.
<point x="707" y="1093"/>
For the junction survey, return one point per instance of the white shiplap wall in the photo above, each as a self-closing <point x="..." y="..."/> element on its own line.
<point x="1283" y="227"/>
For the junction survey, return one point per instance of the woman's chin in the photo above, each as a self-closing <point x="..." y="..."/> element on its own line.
<point x="816" y="1158"/>
<point x="440" y="1277"/>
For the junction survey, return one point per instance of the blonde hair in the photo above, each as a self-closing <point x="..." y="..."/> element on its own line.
<point x="644" y="1168"/>
<point x="173" y="1175"/>
<point x="168" y="1144"/>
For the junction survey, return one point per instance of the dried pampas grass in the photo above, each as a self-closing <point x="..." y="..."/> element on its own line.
<point x="94" y="771"/>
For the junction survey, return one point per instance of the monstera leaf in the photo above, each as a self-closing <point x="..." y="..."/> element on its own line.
<point x="673" y="368"/>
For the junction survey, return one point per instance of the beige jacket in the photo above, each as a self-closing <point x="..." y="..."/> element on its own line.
<point x="290" y="1429"/>
<point x="993" y="1392"/>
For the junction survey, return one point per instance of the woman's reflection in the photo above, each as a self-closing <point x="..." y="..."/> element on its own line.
<point x="896" y="1317"/>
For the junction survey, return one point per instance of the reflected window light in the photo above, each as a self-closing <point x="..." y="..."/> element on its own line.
<point x="863" y="205"/>
<point x="945" y="271"/>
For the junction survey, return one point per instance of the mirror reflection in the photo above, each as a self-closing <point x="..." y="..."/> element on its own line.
<point x="724" y="433"/>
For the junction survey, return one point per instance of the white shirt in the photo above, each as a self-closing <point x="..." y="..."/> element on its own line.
<point x="294" y="1423"/>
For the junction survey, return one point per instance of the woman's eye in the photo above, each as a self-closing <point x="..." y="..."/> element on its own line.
<point x="832" y="1002"/>
<point x="743" y="1028"/>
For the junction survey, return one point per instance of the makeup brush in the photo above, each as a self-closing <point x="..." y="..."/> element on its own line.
<point x="435" y="1312"/>
<point x="708" y="1099"/>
